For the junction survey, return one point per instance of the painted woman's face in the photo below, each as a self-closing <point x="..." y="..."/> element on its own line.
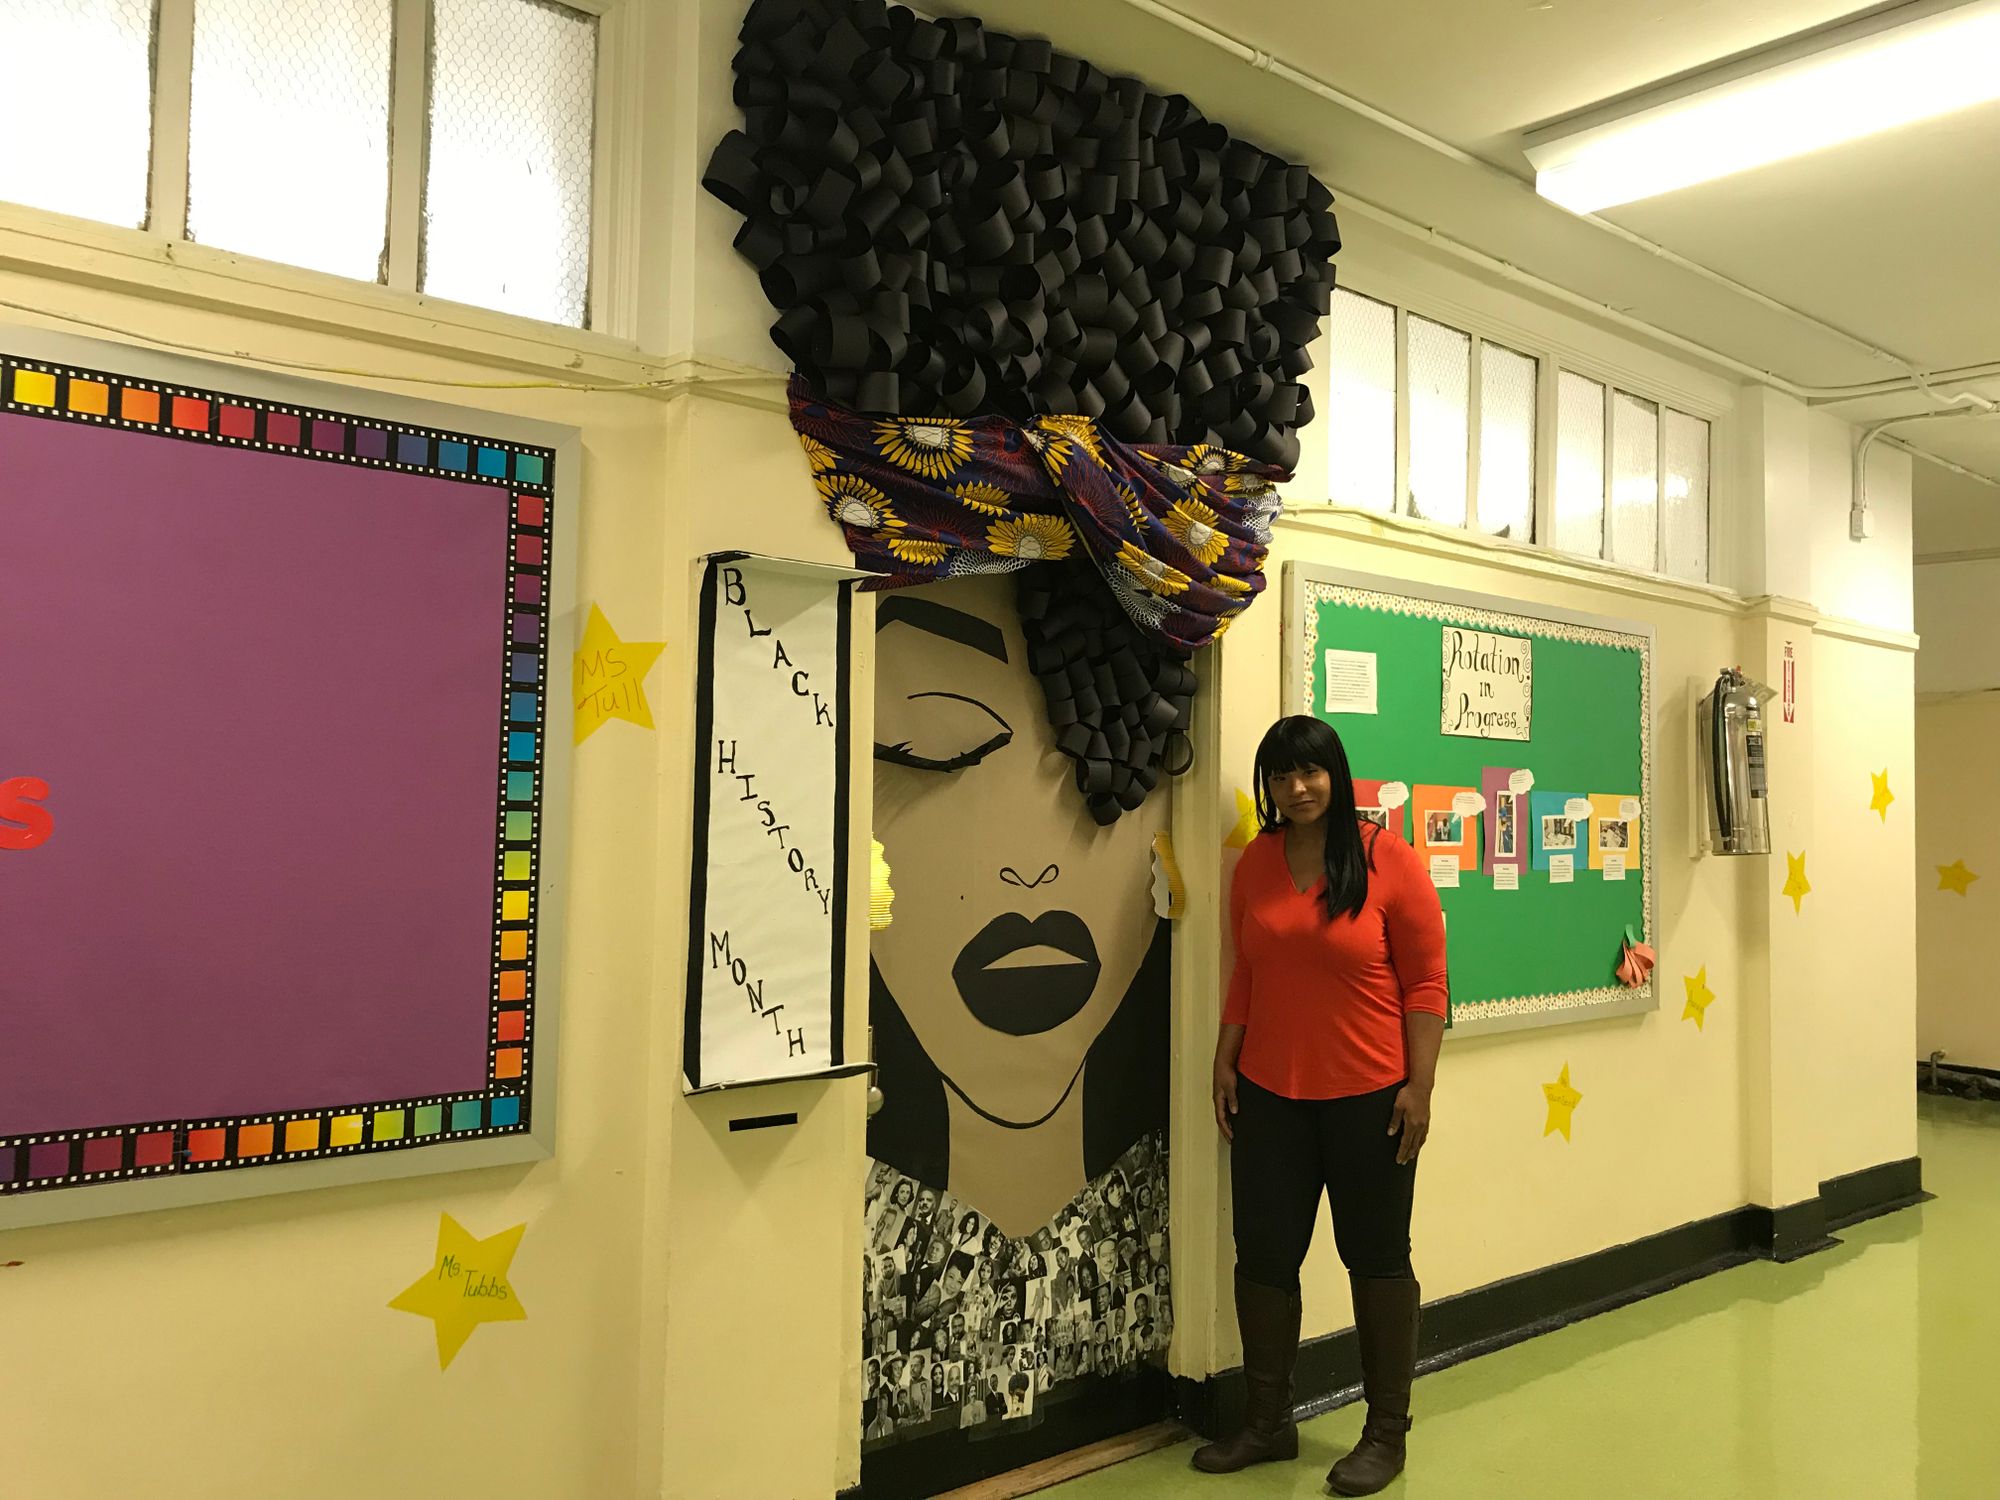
<point x="1019" y="922"/>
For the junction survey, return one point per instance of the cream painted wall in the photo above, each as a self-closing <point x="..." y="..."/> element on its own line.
<point x="1958" y="615"/>
<point x="683" y="1283"/>
<point x="1958" y="1004"/>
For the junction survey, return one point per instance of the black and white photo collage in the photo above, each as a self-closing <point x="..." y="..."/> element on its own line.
<point x="965" y="1326"/>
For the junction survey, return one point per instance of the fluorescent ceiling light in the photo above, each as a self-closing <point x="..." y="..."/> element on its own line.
<point x="1892" y="68"/>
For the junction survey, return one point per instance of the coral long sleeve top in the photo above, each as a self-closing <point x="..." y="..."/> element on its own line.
<point x="1322" y="1002"/>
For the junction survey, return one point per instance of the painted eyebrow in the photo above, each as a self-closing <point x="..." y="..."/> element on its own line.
<point x="942" y="620"/>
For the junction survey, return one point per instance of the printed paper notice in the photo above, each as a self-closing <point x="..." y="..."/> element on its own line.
<point x="1614" y="867"/>
<point x="1350" y="682"/>
<point x="1506" y="877"/>
<point x="1562" y="869"/>
<point x="1444" y="870"/>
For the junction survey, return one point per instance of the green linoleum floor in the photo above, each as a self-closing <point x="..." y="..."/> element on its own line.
<point x="1871" y="1370"/>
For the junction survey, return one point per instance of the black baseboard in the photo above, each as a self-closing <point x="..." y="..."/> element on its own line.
<point x="1487" y="1318"/>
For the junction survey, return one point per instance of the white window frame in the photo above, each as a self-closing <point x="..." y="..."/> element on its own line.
<point x="1552" y="359"/>
<point x="611" y="300"/>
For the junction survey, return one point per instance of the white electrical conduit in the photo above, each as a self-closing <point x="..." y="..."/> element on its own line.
<point x="1913" y="378"/>
<point x="1857" y="515"/>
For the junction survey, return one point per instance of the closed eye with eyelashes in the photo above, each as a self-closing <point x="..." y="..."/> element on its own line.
<point x="939" y="732"/>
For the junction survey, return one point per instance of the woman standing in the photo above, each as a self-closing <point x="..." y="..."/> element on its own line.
<point x="1323" y="1074"/>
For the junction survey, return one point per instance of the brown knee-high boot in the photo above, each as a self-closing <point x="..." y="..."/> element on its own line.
<point x="1386" y="1314"/>
<point x="1269" y="1321"/>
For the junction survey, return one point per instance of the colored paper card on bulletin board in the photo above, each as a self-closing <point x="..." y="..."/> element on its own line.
<point x="1591" y="727"/>
<point x="767" y="926"/>
<point x="1506" y="818"/>
<point x="1368" y="802"/>
<point x="1441" y="827"/>
<point x="1615" y="828"/>
<point x="287" y="647"/>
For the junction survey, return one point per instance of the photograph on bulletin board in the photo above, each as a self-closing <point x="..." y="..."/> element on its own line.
<point x="1524" y="735"/>
<point x="289" y="915"/>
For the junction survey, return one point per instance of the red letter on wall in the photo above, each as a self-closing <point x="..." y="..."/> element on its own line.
<point x="20" y="803"/>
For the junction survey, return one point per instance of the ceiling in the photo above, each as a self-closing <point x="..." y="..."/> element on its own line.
<point x="1828" y="271"/>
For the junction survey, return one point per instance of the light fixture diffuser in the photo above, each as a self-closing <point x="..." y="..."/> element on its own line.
<point x="1892" y="68"/>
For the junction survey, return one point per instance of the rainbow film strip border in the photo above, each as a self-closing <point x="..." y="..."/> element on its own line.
<point x="150" y="1149"/>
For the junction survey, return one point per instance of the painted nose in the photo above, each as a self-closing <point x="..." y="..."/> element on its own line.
<point x="1013" y="877"/>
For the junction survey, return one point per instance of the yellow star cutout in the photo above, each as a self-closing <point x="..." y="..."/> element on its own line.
<point x="1246" y="822"/>
<point x="1883" y="796"/>
<point x="608" y="678"/>
<point x="1796" y="884"/>
<point x="1955" y="877"/>
<point x="1699" y="997"/>
<point x="1563" y="1101"/>
<point x="466" y="1286"/>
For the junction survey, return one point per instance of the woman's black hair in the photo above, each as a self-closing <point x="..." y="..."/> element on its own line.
<point x="1125" y="1076"/>
<point x="1117" y="699"/>
<point x="1297" y="742"/>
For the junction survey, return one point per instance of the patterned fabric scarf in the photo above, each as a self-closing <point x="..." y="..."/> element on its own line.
<point x="1179" y="533"/>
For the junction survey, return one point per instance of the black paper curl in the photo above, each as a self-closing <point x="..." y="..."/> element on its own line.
<point x="953" y="221"/>
<point x="1118" y="701"/>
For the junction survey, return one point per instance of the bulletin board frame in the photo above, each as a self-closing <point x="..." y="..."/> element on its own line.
<point x="1307" y="586"/>
<point x="124" y="1167"/>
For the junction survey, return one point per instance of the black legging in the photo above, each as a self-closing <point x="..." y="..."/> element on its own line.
<point x="1286" y="1152"/>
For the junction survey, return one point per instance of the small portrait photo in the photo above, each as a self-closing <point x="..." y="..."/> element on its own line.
<point x="1558" y="833"/>
<point x="1614" y="834"/>
<point x="1442" y="826"/>
<point x="1379" y="816"/>
<point x="1506" y="826"/>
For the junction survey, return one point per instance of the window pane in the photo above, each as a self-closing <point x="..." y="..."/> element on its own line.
<point x="288" y="135"/>
<point x="1579" y="510"/>
<point x="1635" y="484"/>
<point x="1440" y="376"/>
<point x="507" y="200"/>
<point x="1361" y="427"/>
<point x="1687" y="497"/>
<point x="1506" y="443"/>
<point x="85" y="69"/>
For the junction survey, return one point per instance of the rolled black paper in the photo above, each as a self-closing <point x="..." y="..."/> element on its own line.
<point x="882" y="152"/>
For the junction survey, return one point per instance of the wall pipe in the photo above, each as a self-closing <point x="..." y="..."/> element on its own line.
<point x="1857" y="514"/>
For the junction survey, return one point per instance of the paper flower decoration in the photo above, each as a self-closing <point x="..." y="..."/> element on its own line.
<point x="1635" y="961"/>
<point x="880" y="896"/>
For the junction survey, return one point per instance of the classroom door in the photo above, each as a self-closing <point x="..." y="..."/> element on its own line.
<point x="1016" y="1296"/>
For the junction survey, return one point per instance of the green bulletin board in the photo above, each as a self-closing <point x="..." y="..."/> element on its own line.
<point x="1545" y="953"/>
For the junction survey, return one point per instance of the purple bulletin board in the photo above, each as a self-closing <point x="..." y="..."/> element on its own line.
<point x="280" y="780"/>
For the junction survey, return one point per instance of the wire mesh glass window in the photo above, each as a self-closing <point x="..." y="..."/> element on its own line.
<point x="1361" y="421"/>
<point x="1506" y="443"/>
<point x="1440" y="365"/>
<point x="1685" y="497"/>
<point x="1579" y="499"/>
<point x="85" y="68"/>
<point x="1635" y="482"/>
<point x="508" y="184"/>
<point x="288" y="132"/>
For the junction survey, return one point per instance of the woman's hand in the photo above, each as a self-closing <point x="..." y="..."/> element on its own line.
<point x="1412" y="1118"/>
<point x="1225" y="1099"/>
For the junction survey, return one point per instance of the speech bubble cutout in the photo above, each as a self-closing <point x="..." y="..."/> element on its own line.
<point x="1468" y="804"/>
<point x="1577" y="807"/>
<point x="1521" y="783"/>
<point x="1629" y="808"/>
<point x="1394" y="794"/>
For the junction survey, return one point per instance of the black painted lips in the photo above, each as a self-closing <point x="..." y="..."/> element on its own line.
<point x="1030" y="998"/>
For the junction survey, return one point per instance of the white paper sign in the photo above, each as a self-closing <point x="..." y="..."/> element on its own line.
<point x="1562" y="869"/>
<point x="1350" y="682"/>
<point x="1506" y="877"/>
<point x="766" y="957"/>
<point x="1520" y="783"/>
<point x="1468" y="804"/>
<point x="1394" y="794"/>
<point x="1614" y="867"/>
<point x="1578" y="808"/>
<point x="1628" y="809"/>
<point x="1444" y="870"/>
<point x="1488" y="685"/>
